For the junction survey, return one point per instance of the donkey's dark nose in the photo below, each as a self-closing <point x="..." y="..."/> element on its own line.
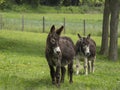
<point x="58" y="52"/>
<point x="87" y="54"/>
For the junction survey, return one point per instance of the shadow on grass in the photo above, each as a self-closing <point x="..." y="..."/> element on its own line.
<point x="37" y="83"/>
<point x="105" y="57"/>
<point x="32" y="48"/>
<point x="22" y="47"/>
<point x="18" y="83"/>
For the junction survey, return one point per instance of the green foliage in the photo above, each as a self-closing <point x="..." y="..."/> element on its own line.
<point x="23" y="65"/>
<point x="53" y="2"/>
<point x="51" y="9"/>
<point x="2" y="1"/>
<point x="8" y="4"/>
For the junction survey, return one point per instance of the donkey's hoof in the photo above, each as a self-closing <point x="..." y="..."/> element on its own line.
<point x="62" y="81"/>
<point x="70" y="82"/>
<point x="58" y="85"/>
<point x="53" y="82"/>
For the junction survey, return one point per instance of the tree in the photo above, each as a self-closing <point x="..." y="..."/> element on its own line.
<point x="53" y="2"/>
<point x="6" y="4"/>
<point x="2" y="1"/>
<point x="105" y="27"/>
<point x="113" y="49"/>
<point x="67" y="2"/>
<point x="111" y="7"/>
<point x="75" y="2"/>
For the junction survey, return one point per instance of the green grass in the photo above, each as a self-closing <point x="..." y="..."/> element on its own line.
<point x="23" y="65"/>
<point x="36" y="16"/>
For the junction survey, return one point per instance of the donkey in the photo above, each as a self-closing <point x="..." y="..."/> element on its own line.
<point x="85" y="49"/>
<point x="60" y="51"/>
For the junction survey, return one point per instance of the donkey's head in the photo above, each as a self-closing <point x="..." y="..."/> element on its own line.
<point x="53" y="39"/>
<point x="85" y="45"/>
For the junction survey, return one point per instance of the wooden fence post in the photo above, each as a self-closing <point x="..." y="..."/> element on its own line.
<point x="22" y="22"/>
<point x="64" y="27"/>
<point x="43" y="24"/>
<point x="84" y="26"/>
<point x="1" y="22"/>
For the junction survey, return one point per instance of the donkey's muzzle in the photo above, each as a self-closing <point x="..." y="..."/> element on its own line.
<point x="57" y="50"/>
<point x="87" y="54"/>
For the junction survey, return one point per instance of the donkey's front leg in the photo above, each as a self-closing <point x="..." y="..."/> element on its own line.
<point x="86" y="65"/>
<point x="92" y="64"/>
<point x="52" y="73"/>
<point x="63" y="70"/>
<point x="58" y="76"/>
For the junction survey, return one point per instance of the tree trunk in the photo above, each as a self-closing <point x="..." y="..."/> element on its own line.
<point x="113" y="49"/>
<point x="105" y="27"/>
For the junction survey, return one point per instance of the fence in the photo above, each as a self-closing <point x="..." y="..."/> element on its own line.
<point x="43" y="25"/>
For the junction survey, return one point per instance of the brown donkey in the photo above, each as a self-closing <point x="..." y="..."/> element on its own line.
<point x="59" y="52"/>
<point x="85" y="49"/>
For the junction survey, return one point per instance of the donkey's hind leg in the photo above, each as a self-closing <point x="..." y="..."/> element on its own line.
<point x="92" y="64"/>
<point x="63" y="71"/>
<point x="86" y="65"/>
<point x="70" y="71"/>
<point x="77" y="65"/>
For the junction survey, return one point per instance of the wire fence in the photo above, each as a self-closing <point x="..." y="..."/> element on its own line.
<point x="43" y="25"/>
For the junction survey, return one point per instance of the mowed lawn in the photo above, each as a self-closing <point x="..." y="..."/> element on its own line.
<point x="23" y="65"/>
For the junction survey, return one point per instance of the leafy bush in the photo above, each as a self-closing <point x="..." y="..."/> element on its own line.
<point x="4" y="4"/>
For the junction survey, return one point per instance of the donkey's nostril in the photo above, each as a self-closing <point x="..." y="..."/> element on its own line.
<point x="87" y="54"/>
<point x="58" y="52"/>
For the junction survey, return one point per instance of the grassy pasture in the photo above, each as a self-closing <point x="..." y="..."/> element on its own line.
<point x="23" y="65"/>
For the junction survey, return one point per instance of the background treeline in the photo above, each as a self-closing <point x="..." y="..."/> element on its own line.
<point x="7" y="4"/>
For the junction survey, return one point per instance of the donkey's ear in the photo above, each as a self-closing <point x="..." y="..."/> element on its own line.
<point x="59" y="30"/>
<point x="88" y="36"/>
<point x="52" y="28"/>
<point x="81" y="39"/>
<point x="79" y="35"/>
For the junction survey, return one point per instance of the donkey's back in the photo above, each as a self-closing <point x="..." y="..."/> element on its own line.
<point x="67" y="49"/>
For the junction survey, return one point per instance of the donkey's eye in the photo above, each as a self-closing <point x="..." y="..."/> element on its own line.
<point x="83" y="44"/>
<point x="53" y="41"/>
